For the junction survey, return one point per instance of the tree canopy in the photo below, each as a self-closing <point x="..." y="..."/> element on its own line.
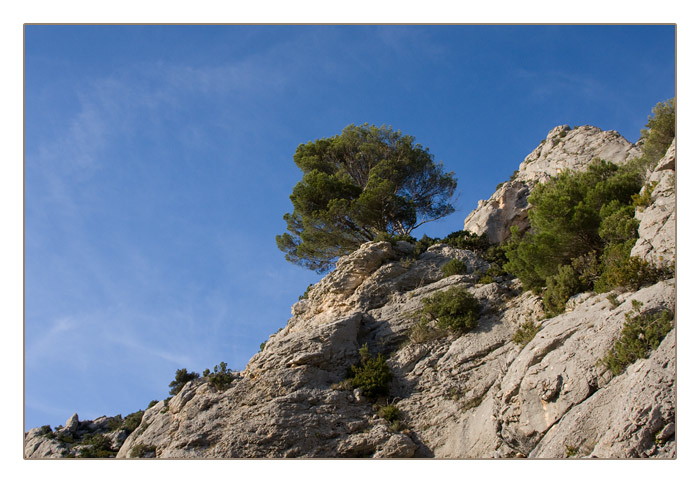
<point x="566" y="218"/>
<point x="356" y="186"/>
<point x="584" y="226"/>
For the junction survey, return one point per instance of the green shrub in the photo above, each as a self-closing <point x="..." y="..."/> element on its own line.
<point x="559" y="289"/>
<point x="390" y="413"/>
<point x="394" y="239"/>
<point x="132" y="421"/>
<point x="618" y="224"/>
<point x="97" y="446"/>
<point x="641" y="334"/>
<point x="46" y="431"/>
<point x="612" y="298"/>
<point x="115" y="423"/>
<point x="372" y="375"/>
<point x="644" y="199"/>
<point x="182" y="377"/>
<point x="305" y="295"/>
<point x="629" y="273"/>
<point x="65" y="438"/>
<point x="152" y="403"/>
<point x="454" y="267"/>
<point x="467" y="240"/>
<point x="496" y="256"/>
<point x="221" y="378"/>
<point x="661" y="130"/>
<point x="423" y="244"/>
<point x="454" y="309"/>
<point x="566" y="216"/>
<point x="525" y="333"/>
<point x="143" y="451"/>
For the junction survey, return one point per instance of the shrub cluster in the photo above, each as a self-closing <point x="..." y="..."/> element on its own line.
<point x="182" y="377"/>
<point x="641" y="334"/>
<point x="221" y="377"/>
<point x="132" y="421"/>
<point x="454" y="267"/>
<point x="660" y="132"/>
<point x="454" y="309"/>
<point x="467" y="240"/>
<point x="143" y="451"/>
<point x="583" y="225"/>
<point x="643" y="199"/>
<point x="390" y="413"/>
<point x="372" y="375"/>
<point x="115" y="423"/>
<point x="97" y="446"/>
<point x="464" y="240"/>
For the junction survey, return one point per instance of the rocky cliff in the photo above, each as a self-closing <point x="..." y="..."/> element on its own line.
<point x="474" y="395"/>
<point x="563" y="148"/>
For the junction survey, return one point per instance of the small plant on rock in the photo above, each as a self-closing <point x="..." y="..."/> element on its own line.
<point x="221" y="378"/>
<point x="391" y="413"/>
<point x="571" y="451"/>
<point x="454" y="309"/>
<point x="143" y="451"/>
<point x="115" y="423"/>
<point x="182" y="377"/>
<point x="305" y="295"/>
<point x="641" y="334"/>
<point x="372" y="375"/>
<point x="467" y="240"/>
<point x="644" y="199"/>
<point x="97" y="446"/>
<point x="132" y="421"/>
<point x="454" y="267"/>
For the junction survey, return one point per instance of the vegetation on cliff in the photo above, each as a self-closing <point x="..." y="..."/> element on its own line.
<point x="358" y="185"/>
<point x="583" y="225"/>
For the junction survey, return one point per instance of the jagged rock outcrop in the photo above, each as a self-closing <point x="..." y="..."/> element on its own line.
<point x="563" y="148"/>
<point x="65" y="441"/>
<point x="473" y="395"/>
<point x="657" y="222"/>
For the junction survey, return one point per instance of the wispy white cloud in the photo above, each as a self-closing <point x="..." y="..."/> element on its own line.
<point x="543" y="85"/>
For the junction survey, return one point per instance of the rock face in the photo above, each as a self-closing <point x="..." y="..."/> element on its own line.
<point x="475" y="395"/>
<point x="564" y="148"/>
<point x="657" y="222"/>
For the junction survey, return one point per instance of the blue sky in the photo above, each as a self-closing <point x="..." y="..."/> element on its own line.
<point x="158" y="165"/>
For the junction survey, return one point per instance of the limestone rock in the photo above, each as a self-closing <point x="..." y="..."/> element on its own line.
<point x="631" y="417"/>
<point x="657" y="222"/>
<point x="564" y="148"/>
<point x="72" y="424"/>
<point x="573" y="149"/>
<point x="505" y="208"/>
